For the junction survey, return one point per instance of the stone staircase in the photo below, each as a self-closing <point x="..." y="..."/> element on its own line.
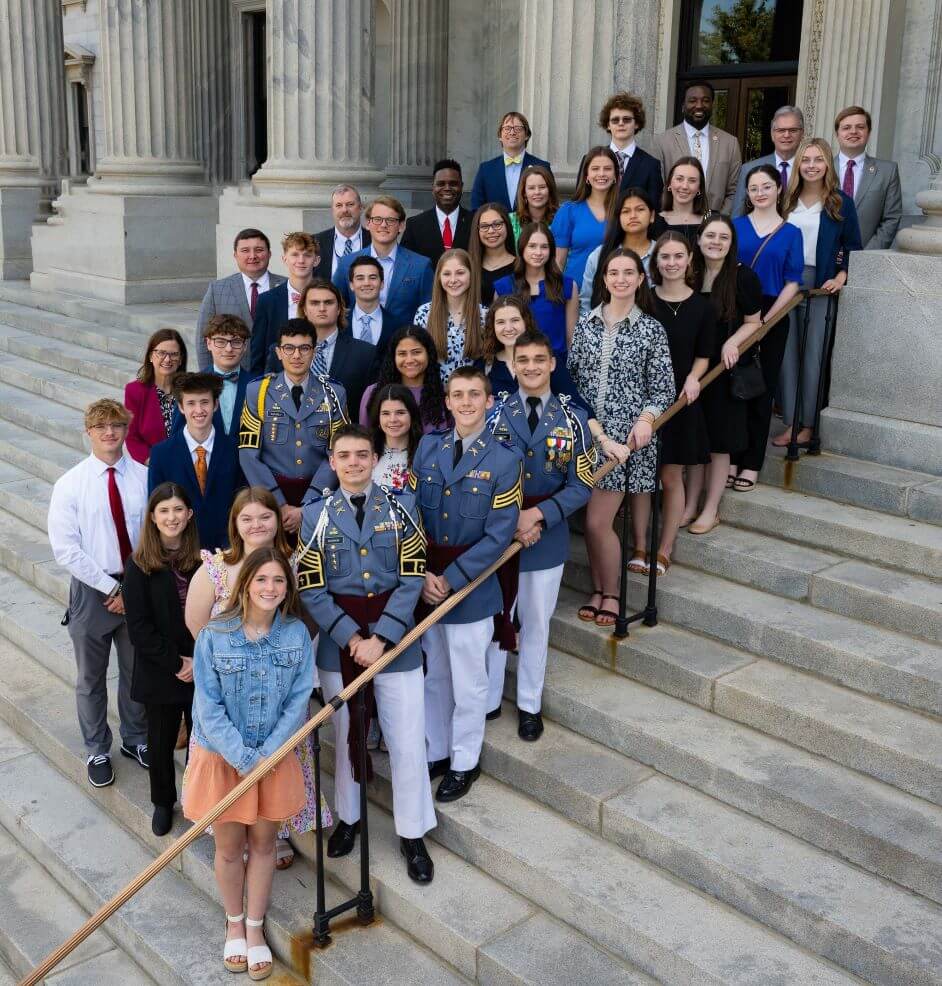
<point x="749" y="793"/>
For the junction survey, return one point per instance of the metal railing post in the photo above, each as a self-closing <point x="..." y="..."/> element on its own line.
<point x="792" y="454"/>
<point x="620" y="630"/>
<point x="649" y="616"/>
<point x="830" y="329"/>
<point x="321" y="921"/>
<point x="365" y="911"/>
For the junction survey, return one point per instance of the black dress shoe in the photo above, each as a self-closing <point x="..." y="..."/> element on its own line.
<point x="438" y="767"/>
<point x="493" y="714"/>
<point x="342" y="839"/>
<point x="162" y="821"/>
<point x="529" y="726"/>
<point x="456" y="784"/>
<point x="419" y="864"/>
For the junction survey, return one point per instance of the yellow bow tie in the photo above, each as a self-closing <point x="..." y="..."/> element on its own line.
<point x="512" y="160"/>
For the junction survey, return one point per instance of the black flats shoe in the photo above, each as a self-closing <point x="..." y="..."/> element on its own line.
<point x="342" y="839"/>
<point x="162" y="820"/>
<point x="529" y="725"/>
<point x="456" y="784"/>
<point x="419" y="864"/>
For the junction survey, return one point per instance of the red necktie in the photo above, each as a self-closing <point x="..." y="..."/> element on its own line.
<point x="848" y="185"/>
<point x="117" y="515"/>
<point x="254" y="299"/>
<point x="446" y="234"/>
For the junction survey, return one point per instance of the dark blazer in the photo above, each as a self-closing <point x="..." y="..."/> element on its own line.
<point x="270" y="314"/>
<point x="170" y="461"/>
<point x="644" y="171"/>
<point x="490" y="183"/>
<point x="424" y="236"/>
<point x="159" y="635"/>
<point x="835" y="242"/>
<point x="386" y="332"/>
<point x="325" y="250"/>
<point x="179" y="422"/>
<point x="410" y="286"/>
<point x="147" y="421"/>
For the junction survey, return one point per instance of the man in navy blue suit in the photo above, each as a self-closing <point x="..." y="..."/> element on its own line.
<point x="623" y="117"/>
<point x="369" y="321"/>
<point x="277" y="306"/>
<point x="497" y="179"/>
<point x="407" y="276"/>
<point x="199" y="460"/>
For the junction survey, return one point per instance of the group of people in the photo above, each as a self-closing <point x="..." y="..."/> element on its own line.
<point x="364" y="438"/>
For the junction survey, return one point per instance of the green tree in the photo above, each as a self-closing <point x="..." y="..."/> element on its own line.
<point x="743" y="33"/>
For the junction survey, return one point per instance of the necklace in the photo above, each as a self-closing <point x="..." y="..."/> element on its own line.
<point x="257" y="631"/>
<point x="674" y="309"/>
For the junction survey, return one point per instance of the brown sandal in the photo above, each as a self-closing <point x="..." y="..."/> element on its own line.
<point x="590" y="612"/>
<point x="606" y="618"/>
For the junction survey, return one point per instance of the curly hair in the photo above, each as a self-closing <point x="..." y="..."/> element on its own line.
<point x="432" y="400"/>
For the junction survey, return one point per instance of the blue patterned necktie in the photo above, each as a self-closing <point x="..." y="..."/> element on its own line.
<point x="320" y="360"/>
<point x="348" y="247"/>
<point x="366" y="332"/>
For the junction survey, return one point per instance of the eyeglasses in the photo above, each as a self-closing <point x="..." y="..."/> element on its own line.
<point x="788" y="131"/>
<point x="225" y="342"/>
<point x="164" y="356"/>
<point x="491" y="227"/>
<point x="289" y="349"/>
<point x="110" y="426"/>
<point x="389" y="221"/>
<point x="621" y="119"/>
<point x="509" y="128"/>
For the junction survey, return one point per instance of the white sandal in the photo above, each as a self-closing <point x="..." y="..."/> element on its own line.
<point x="235" y="946"/>
<point x="258" y="955"/>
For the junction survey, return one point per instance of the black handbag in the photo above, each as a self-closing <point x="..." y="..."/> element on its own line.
<point x="746" y="381"/>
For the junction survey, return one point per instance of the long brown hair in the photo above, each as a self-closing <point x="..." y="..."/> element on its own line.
<point x="493" y="345"/>
<point x="320" y="284"/>
<point x="552" y="275"/>
<point x="253" y="494"/>
<point x="672" y="236"/>
<point x="584" y="189"/>
<point x="723" y="289"/>
<point x="522" y="207"/>
<point x="146" y="373"/>
<point x="150" y="555"/>
<point x="476" y="247"/>
<point x="239" y="600"/>
<point x="643" y="294"/>
<point x="470" y="307"/>
<point x="831" y="200"/>
<point x="699" y="200"/>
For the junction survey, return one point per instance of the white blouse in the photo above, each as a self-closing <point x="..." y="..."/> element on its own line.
<point x="808" y="220"/>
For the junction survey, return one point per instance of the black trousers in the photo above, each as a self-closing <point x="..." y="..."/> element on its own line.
<point x="163" y="725"/>
<point x="759" y="409"/>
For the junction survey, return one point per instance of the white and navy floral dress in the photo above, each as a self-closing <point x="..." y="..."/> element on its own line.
<point x="454" y="348"/>
<point x="622" y="371"/>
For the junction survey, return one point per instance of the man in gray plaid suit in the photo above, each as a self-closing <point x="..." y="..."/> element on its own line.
<point x="238" y="294"/>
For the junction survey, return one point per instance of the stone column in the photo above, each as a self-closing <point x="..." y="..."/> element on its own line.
<point x="210" y="28"/>
<point x="418" y="99"/>
<point x="148" y="209"/>
<point x="566" y="73"/>
<point x="851" y="57"/>
<point x="32" y="124"/>
<point x="321" y="102"/>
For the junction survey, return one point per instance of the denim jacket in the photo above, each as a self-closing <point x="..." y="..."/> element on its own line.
<point x="251" y="695"/>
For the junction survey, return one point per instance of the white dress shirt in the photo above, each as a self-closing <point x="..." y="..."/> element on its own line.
<point x="808" y="220"/>
<point x="859" y="164"/>
<point x="192" y="444"/>
<point x="452" y="217"/>
<point x="264" y="283"/>
<point x="388" y="263"/>
<point x="704" y="144"/>
<point x="620" y="152"/>
<point x="81" y="531"/>
<point x="340" y="245"/>
<point x="357" y="318"/>
<point x="292" y="305"/>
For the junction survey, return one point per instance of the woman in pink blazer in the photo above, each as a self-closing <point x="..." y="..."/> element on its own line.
<point x="149" y="398"/>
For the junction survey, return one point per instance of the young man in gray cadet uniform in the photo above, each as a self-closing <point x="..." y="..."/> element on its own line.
<point x="361" y="569"/>
<point x="286" y="425"/>
<point x="555" y="442"/>
<point x="469" y="490"/>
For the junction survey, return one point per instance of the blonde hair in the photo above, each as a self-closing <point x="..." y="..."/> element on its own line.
<point x="106" y="411"/>
<point x="253" y="494"/>
<point x="303" y="241"/>
<point x="239" y="600"/>
<point x="470" y="308"/>
<point x="831" y="198"/>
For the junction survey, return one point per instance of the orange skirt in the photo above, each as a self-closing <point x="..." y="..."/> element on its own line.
<point x="209" y="778"/>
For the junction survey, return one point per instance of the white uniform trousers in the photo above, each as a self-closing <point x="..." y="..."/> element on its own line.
<point x="537" y="593"/>
<point x="399" y="701"/>
<point x="456" y="690"/>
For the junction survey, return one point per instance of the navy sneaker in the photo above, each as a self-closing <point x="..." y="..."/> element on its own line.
<point x="138" y="753"/>
<point x="100" y="771"/>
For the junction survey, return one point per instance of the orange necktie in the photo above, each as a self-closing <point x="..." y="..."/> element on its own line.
<point x="201" y="468"/>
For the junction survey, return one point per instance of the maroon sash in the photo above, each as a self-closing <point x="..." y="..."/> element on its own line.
<point x="294" y="488"/>
<point x="363" y="610"/>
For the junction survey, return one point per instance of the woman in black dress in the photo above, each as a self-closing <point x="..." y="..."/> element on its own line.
<point x="690" y="323"/>
<point x="492" y="247"/>
<point x="684" y="201"/>
<point x="735" y="292"/>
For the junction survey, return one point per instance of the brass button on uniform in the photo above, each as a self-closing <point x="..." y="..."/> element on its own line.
<point x="298" y="443"/>
<point x="297" y="426"/>
<point x="529" y="453"/>
<point x="299" y="462"/>
<point x="527" y="476"/>
<point x="444" y="516"/>
<point x="445" y="539"/>
<point x="366" y="575"/>
<point x="370" y="595"/>
<point x="364" y="551"/>
<point x="447" y="492"/>
<point x="474" y="489"/>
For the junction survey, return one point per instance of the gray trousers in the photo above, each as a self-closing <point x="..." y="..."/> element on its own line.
<point x="93" y="630"/>
<point x="814" y="349"/>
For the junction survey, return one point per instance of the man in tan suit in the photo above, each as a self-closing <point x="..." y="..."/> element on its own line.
<point x="716" y="150"/>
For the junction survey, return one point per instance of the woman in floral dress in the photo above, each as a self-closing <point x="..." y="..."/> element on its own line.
<point x="254" y="522"/>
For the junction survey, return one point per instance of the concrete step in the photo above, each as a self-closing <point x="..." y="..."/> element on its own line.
<point x="888" y="832"/>
<point x="894" y="542"/>
<point x="35" y="455"/>
<point x="92" y="364"/>
<point x="37" y="915"/>
<point x="38" y="710"/>
<point x="92" y="858"/>
<point x="864" y="484"/>
<point x="870" y="659"/>
<point x="49" y="418"/>
<point x="619" y="901"/>
<point x="812" y="897"/>
<point x="52" y="384"/>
